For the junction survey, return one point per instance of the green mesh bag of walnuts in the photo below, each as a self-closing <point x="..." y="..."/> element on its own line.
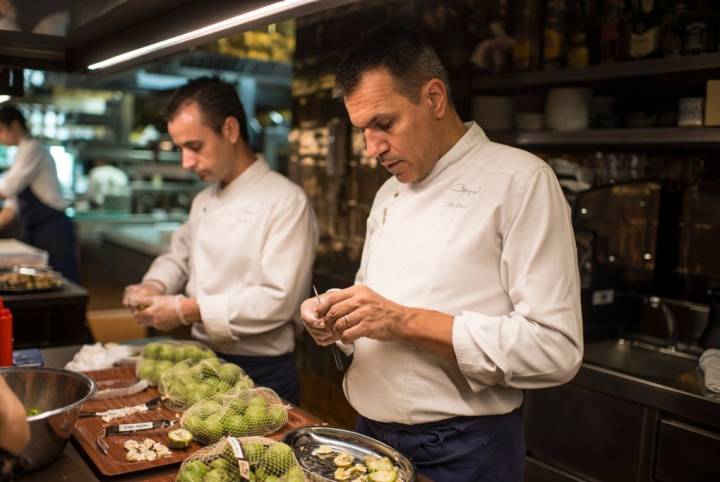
<point x="242" y="413"/>
<point x="188" y="382"/>
<point x="253" y="459"/>
<point x="159" y="357"/>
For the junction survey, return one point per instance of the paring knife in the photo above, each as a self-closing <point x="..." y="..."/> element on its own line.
<point x="150" y="404"/>
<point x="337" y="357"/>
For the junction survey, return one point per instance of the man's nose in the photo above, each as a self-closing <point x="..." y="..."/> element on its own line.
<point x="188" y="160"/>
<point x="376" y="145"/>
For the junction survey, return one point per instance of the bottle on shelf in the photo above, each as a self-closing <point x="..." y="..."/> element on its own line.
<point x="644" y="30"/>
<point x="613" y="32"/>
<point x="672" y="30"/>
<point x="578" y="55"/>
<point x="700" y="34"/>
<point x="554" y="45"/>
<point x="526" y="50"/>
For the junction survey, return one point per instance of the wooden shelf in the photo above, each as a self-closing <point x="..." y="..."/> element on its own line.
<point x="670" y="66"/>
<point x="682" y="138"/>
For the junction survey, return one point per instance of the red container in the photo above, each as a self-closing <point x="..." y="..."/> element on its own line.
<point x="6" y="336"/>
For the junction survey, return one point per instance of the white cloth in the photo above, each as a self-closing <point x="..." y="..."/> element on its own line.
<point x="487" y="238"/>
<point x="246" y="253"/>
<point x="33" y="166"/>
<point x="710" y="364"/>
<point x="97" y="356"/>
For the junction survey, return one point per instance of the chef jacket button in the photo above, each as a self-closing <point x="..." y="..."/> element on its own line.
<point x="397" y="194"/>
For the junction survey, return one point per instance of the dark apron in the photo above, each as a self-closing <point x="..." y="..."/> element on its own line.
<point x="462" y="449"/>
<point x="49" y="229"/>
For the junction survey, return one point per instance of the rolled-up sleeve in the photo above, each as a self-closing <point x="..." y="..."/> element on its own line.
<point x="285" y="270"/>
<point x="172" y="268"/>
<point x="539" y="343"/>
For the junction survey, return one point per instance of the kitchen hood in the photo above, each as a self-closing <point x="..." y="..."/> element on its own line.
<point x="110" y="35"/>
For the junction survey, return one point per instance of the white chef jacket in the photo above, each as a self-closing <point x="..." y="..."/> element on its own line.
<point x="486" y="237"/>
<point x="246" y="254"/>
<point x="33" y="166"/>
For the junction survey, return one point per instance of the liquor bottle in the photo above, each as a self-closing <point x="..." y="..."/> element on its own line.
<point x="578" y="55"/>
<point x="554" y="45"/>
<point x="526" y="50"/>
<point x="701" y="29"/>
<point x="644" y="30"/>
<point x="672" y="30"/>
<point x="612" y="32"/>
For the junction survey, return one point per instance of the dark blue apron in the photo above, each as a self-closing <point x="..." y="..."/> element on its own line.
<point x="462" y="449"/>
<point x="49" y="229"/>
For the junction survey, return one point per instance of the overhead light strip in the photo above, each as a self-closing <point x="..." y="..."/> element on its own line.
<point x="238" y="20"/>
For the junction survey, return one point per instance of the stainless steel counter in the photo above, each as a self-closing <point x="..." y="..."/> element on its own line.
<point x="152" y="240"/>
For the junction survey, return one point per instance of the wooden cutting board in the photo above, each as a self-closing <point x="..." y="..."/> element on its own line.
<point x="115" y="463"/>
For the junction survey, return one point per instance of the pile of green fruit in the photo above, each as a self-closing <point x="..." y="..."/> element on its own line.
<point x="157" y="358"/>
<point x="269" y="462"/>
<point x="248" y="412"/>
<point x="188" y="383"/>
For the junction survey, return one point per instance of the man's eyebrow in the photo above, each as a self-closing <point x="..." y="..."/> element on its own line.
<point x="375" y="119"/>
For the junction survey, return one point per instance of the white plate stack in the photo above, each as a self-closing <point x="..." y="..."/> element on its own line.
<point x="493" y="112"/>
<point x="529" y="121"/>
<point x="567" y="109"/>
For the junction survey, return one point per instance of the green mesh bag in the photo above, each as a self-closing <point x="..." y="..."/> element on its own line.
<point x="254" y="459"/>
<point x="188" y="383"/>
<point x="241" y="413"/>
<point x="159" y="357"/>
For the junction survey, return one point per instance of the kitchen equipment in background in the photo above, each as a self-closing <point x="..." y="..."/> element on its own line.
<point x="14" y="253"/>
<point x="602" y="112"/>
<point x="690" y="112"/>
<point x="625" y="220"/>
<point x="493" y="112"/>
<point x="699" y="230"/>
<point x="568" y="108"/>
<point x="58" y="394"/>
<point x="711" y="336"/>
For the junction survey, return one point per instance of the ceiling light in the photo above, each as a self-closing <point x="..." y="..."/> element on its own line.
<point x="236" y="21"/>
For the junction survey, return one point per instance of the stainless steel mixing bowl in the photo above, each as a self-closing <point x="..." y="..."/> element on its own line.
<point x="58" y="394"/>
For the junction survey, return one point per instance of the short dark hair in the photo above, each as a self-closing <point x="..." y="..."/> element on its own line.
<point x="216" y="99"/>
<point x="10" y="113"/>
<point x="407" y="55"/>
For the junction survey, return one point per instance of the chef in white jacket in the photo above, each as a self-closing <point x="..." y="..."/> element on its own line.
<point x="468" y="289"/>
<point x="238" y="269"/>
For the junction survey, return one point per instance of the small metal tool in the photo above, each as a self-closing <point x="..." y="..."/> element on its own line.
<point x="337" y="356"/>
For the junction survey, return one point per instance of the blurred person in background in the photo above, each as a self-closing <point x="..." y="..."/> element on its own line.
<point x="238" y="269"/>
<point x="31" y="189"/>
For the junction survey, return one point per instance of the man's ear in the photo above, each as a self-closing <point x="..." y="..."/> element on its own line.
<point x="437" y="97"/>
<point x="231" y="129"/>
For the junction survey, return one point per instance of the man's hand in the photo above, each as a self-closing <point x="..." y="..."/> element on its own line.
<point x="358" y="311"/>
<point x="315" y="326"/>
<point x="133" y="293"/>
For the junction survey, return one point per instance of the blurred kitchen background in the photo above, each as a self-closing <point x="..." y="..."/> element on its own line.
<point x="621" y="98"/>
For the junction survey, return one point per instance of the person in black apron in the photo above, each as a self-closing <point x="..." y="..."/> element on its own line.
<point x="46" y="227"/>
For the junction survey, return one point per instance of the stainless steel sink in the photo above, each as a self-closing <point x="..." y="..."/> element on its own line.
<point x="645" y="361"/>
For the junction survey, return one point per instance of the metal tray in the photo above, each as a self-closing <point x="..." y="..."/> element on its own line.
<point x="52" y="280"/>
<point x="304" y="440"/>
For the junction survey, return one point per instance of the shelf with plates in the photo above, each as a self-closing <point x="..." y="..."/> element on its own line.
<point x="671" y="67"/>
<point x="681" y="138"/>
